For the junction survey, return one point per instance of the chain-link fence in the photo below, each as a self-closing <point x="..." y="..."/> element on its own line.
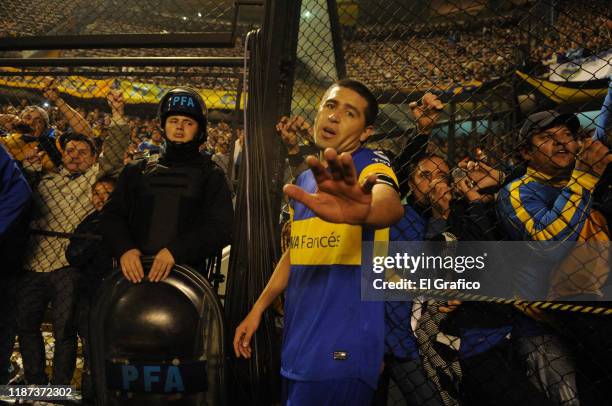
<point x="64" y="264"/>
<point x="72" y="129"/>
<point x="456" y="81"/>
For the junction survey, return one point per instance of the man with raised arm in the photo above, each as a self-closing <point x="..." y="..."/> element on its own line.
<point x="333" y="341"/>
<point x="61" y="201"/>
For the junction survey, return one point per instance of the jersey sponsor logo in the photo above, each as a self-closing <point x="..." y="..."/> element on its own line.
<point x="317" y="242"/>
<point x="324" y="241"/>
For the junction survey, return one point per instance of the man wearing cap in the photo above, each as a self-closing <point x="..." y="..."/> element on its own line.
<point x="177" y="205"/>
<point x="552" y="202"/>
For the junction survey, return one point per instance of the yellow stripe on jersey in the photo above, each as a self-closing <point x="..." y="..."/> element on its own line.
<point x="381" y="242"/>
<point x="317" y="242"/>
<point x="377" y="168"/>
<point x="555" y="227"/>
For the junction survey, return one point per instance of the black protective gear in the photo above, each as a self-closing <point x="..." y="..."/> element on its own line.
<point x="183" y="205"/>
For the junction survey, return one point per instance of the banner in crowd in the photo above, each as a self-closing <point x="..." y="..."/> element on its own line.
<point x="594" y="67"/>
<point x="133" y="92"/>
<point x="463" y="87"/>
<point x="567" y="91"/>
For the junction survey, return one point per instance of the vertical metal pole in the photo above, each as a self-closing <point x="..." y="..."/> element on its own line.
<point x="336" y="32"/>
<point x="235" y="120"/>
<point x="553" y="6"/>
<point x="255" y="251"/>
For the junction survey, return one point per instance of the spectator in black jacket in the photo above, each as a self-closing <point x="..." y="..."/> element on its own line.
<point x="93" y="259"/>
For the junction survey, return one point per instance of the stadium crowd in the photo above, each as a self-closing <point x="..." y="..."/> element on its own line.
<point x="70" y="158"/>
<point x="442" y="55"/>
<point x="145" y="134"/>
<point x="446" y="55"/>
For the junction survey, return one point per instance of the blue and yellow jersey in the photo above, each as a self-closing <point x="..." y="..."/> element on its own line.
<point x="534" y="208"/>
<point x="21" y="146"/>
<point x="15" y="192"/>
<point x="329" y="332"/>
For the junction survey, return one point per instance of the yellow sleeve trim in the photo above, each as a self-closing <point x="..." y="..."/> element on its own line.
<point x="554" y="228"/>
<point x="583" y="179"/>
<point x="377" y="168"/>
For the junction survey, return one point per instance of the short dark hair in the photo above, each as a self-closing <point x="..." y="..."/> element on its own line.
<point x="71" y="136"/>
<point x="105" y="179"/>
<point x="406" y="172"/>
<point x="424" y="157"/>
<point x="362" y="90"/>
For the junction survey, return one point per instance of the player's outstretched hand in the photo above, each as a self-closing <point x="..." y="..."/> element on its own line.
<point x="339" y="197"/>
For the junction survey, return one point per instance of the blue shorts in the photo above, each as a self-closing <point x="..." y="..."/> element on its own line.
<point x="337" y="392"/>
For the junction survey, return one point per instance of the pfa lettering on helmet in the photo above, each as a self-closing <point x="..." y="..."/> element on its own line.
<point x="184" y="101"/>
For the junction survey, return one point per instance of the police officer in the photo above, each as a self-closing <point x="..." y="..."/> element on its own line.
<point x="176" y="206"/>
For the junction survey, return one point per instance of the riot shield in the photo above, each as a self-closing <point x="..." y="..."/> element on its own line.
<point x="158" y="343"/>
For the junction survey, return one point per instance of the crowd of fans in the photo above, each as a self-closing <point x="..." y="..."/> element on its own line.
<point x="216" y="78"/>
<point x="579" y="32"/>
<point x="71" y="157"/>
<point x="426" y="179"/>
<point x="32" y="18"/>
<point x="44" y="17"/>
<point x="446" y="55"/>
<point x="440" y="55"/>
<point x="144" y="132"/>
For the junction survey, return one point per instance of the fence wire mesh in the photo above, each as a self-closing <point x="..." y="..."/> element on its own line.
<point x="55" y="272"/>
<point x="55" y="259"/>
<point x="455" y="82"/>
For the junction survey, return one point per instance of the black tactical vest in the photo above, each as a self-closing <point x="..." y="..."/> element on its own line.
<point x="168" y="200"/>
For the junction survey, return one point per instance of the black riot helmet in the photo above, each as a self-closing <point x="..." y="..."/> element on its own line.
<point x="184" y="101"/>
